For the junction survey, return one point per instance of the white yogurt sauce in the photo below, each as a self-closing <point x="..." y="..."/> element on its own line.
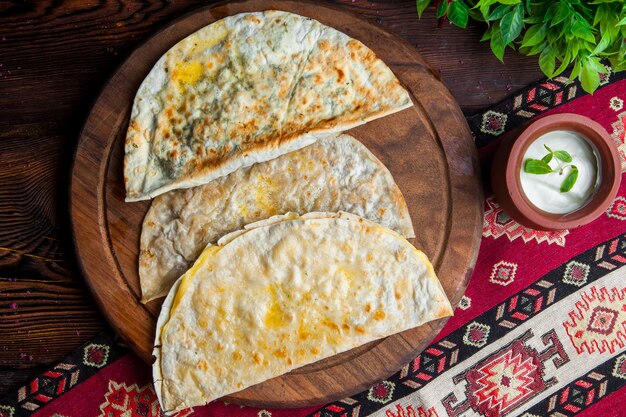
<point x="544" y="190"/>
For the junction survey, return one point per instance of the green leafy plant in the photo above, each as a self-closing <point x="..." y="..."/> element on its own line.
<point x="542" y="166"/>
<point x="563" y="33"/>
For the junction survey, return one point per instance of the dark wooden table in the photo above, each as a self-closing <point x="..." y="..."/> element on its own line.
<point x="55" y="56"/>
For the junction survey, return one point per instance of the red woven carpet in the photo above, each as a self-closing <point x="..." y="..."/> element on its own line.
<point x="541" y="330"/>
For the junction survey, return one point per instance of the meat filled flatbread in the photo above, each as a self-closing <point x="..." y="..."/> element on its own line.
<point x="336" y="173"/>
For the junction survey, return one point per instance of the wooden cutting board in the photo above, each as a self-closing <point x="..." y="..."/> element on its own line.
<point x="428" y="149"/>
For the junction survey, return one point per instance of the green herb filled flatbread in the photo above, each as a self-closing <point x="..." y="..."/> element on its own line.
<point x="246" y="89"/>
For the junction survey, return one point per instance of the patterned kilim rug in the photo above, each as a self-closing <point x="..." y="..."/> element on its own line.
<point x="541" y="330"/>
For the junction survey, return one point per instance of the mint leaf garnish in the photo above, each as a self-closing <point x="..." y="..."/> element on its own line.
<point x="570" y="180"/>
<point x="537" y="166"/>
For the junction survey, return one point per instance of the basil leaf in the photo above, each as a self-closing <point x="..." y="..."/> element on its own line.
<point x="534" y="35"/>
<point x="547" y="158"/>
<point x="570" y="180"/>
<point x="550" y="12"/>
<point x="575" y="70"/>
<point x="575" y="48"/>
<point x="442" y="9"/>
<point x="548" y="148"/>
<point x="475" y="14"/>
<point x="536" y="166"/>
<point x="458" y="13"/>
<point x="589" y="77"/>
<point x="537" y="49"/>
<point x="609" y="26"/>
<point x="563" y="156"/>
<point x="582" y="29"/>
<point x="600" y="15"/>
<point x="605" y="41"/>
<point x="484" y="8"/>
<point x="497" y="45"/>
<point x="421" y="6"/>
<point x="595" y="63"/>
<point x="567" y="59"/>
<point x="499" y="12"/>
<point x="488" y="33"/>
<point x="533" y="19"/>
<point x="512" y="23"/>
<point x="547" y="62"/>
<point x="561" y="13"/>
<point x="618" y="65"/>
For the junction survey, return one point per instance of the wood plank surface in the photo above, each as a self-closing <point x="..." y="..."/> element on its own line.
<point x="54" y="59"/>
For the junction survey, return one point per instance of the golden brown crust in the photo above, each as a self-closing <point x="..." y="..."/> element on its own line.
<point x="246" y="89"/>
<point x="310" y="300"/>
<point x="335" y="173"/>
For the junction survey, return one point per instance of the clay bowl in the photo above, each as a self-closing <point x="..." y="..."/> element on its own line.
<point x="505" y="178"/>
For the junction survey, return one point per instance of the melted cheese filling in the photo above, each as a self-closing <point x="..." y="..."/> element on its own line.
<point x="282" y="294"/>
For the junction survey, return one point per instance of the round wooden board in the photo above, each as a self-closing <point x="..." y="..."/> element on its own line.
<point x="428" y="149"/>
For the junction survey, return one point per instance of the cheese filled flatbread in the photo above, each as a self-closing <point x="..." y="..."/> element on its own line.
<point x="283" y="293"/>
<point x="336" y="173"/>
<point x="246" y="89"/>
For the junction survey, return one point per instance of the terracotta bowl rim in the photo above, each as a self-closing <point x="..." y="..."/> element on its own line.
<point x="610" y="170"/>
